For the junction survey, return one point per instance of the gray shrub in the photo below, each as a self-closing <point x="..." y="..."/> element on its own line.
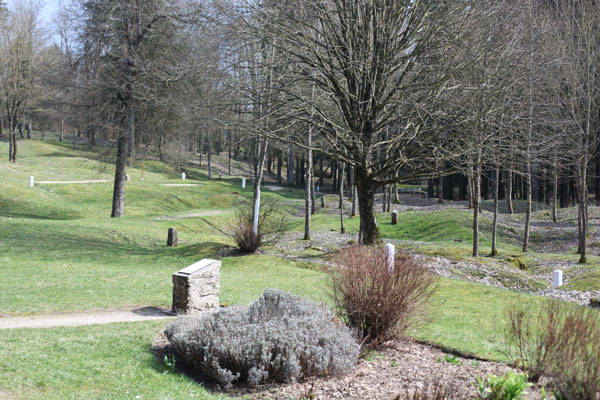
<point x="280" y="337"/>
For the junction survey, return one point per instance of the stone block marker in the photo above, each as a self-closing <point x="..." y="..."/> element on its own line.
<point x="557" y="279"/>
<point x="196" y="288"/>
<point x="390" y="254"/>
<point x="394" y="217"/>
<point x="243" y="183"/>
<point x="172" y="238"/>
<point x="183" y="176"/>
<point x="31" y="181"/>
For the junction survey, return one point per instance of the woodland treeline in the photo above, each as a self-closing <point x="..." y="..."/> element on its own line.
<point x="483" y="99"/>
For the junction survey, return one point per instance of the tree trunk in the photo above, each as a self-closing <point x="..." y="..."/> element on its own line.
<point x="509" y="191"/>
<point x="528" y="210"/>
<point x="471" y="186"/>
<point x="597" y="168"/>
<point x="209" y="155"/>
<point x="555" y="191"/>
<point x="369" y="230"/>
<point x="342" y="229"/>
<point x="308" y="191"/>
<point x="476" y="197"/>
<point x="229" y="154"/>
<point x="201" y="149"/>
<point x="12" y="142"/>
<point x="440" y="189"/>
<point x="279" y="163"/>
<point x="119" y="188"/>
<point x="262" y="156"/>
<point x="320" y="182"/>
<point x="313" y="203"/>
<point x="131" y="136"/>
<point x="354" y="199"/>
<point x="290" y="166"/>
<point x="495" y="223"/>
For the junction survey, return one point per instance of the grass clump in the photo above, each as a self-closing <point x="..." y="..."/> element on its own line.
<point x="376" y="302"/>
<point x="280" y="337"/>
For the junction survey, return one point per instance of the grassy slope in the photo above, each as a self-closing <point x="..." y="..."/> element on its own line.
<point x="59" y="251"/>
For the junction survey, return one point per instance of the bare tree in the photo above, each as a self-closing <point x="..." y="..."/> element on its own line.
<point x="364" y="60"/>
<point x="20" y="47"/>
<point x="580" y="94"/>
<point x="123" y="42"/>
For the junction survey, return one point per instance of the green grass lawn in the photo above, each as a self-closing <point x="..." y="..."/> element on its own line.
<point x="115" y="361"/>
<point x="60" y="251"/>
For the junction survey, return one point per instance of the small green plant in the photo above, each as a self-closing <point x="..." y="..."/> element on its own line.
<point x="480" y="386"/>
<point x="169" y="363"/>
<point x="509" y="386"/>
<point x="449" y="358"/>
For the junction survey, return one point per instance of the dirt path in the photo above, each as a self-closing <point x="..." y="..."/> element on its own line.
<point x="192" y="215"/>
<point x="84" y="318"/>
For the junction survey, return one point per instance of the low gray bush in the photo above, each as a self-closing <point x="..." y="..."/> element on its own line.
<point x="280" y="337"/>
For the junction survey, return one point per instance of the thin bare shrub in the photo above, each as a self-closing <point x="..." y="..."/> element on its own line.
<point x="272" y="224"/>
<point x="576" y="369"/>
<point x="561" y="341"/>
<point x="531" y="341"/>
<point x="376" y="303"/>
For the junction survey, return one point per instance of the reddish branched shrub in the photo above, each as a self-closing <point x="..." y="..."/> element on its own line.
<point x="576" y="369"/>
<point x="561" y="341"/>
<point x="532" y="341"/>
<point x="376" y="303"/>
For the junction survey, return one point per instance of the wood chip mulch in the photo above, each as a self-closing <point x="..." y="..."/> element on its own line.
<point x="398" y="370"/>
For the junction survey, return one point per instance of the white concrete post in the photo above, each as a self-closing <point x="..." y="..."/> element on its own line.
<point x="256" y="211"/>
<point x="243" y="183"/>
<point x="557" y="278"/>
<point x="183" y="176"/>
<point x="31" y="181"/>
<point x="390" y="251"/>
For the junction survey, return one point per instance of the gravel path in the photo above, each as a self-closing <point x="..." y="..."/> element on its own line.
<point x="84" y="318"/>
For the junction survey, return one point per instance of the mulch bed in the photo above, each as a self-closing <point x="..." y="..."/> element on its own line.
<point x="392" y="372"/>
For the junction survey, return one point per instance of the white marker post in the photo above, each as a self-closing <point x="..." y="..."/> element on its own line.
<point x="243" y="183"/>
<point x="390" y="252"/>
<point x="557" y="278"/>
<point x="256" y="211"/>
<point x="31" y="181"/>
<point x="183" y="176"/>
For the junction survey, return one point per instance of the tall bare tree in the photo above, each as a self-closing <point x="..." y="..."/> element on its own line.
<point x="21" y="43"/>
<point x="365" y="60"/>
